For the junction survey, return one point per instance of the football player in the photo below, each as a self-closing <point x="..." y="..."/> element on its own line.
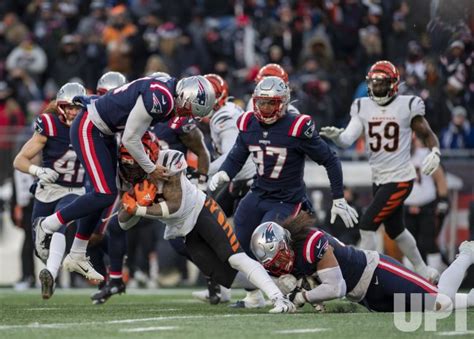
<point x="387" y="120"/>
<point x="131" y="108"/>
<point x="60" y="176"/>
<point x="276" y="71"/>
<point x="278" y="142"/>
<point x="329" y="269"/>
<point x="190" y="213"/>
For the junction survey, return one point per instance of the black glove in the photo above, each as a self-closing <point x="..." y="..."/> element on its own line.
<point x="442" y="207"/>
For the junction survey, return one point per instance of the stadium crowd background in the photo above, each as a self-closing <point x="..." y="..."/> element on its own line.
<point x="326" y="46"/>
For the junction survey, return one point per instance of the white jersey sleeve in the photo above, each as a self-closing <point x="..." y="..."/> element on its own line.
<point x="416" y="105"/>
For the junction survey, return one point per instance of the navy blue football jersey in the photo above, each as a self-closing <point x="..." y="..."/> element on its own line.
<point x="169" y="132"/>
<point x="279" y="152"/>
<point x="158" y="97"/>
<point x="310" y="251"/>
<point x="58" y="153"/>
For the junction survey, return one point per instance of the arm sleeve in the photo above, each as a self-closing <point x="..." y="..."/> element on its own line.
<point x="236" y="158"/>
<point x="332" y="286"/>
<point x="317" y="149"/>
<point x="227" y="138"/>
<point x="350" y="134"/>
<point x="137" y="123"/>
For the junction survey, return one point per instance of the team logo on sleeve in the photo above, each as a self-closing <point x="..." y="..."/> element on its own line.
<point x="156" y="109"/>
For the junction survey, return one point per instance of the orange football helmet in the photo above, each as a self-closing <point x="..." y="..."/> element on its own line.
<point x="272" y="70"/>
<point x="220" y="88"/>
<point x="382" y="81"/>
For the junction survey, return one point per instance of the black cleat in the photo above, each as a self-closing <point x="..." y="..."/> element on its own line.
<point x="214" y="292"/>
<point x="114" y="286"/>
<point x="47" y="283"/>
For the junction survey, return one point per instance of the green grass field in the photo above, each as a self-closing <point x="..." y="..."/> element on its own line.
<point x="172" y="313"/>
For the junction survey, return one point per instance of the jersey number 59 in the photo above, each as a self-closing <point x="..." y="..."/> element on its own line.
<point x="258" y="156"/>
<point x="391" y="133"/>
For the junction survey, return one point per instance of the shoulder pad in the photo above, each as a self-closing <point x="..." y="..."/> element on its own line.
<point x="182" y="124"/>
<point x="45" y="124"/>
<point x="162" y="101"/>
<point x="243" y="121"/>
<point x="302" y="126"/>
<point x="315" y="246"/>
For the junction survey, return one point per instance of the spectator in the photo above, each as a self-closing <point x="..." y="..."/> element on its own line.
<point x="29" y="57"/>
<point x="459" y="133"/>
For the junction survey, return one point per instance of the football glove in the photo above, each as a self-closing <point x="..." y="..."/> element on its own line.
<point x="129" y="203"/>
<point x="46" y="175"/>
<point x="341" y="208"/>
<point x="145" y="193"/>
<point x="218" y="179"/>
<point x="282" y="305"/>
<point x="431" y="162"/>
<point x="331" y="132"/>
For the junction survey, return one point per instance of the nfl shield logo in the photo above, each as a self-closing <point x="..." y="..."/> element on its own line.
<point x="265" y="134"/>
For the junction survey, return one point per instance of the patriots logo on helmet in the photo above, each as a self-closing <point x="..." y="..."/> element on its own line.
<point x="201" y="94"/>
<point x="269" y="234"/>
<point x="156" y="109"/>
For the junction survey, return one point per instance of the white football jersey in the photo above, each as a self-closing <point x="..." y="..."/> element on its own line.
<point x="388" y="136"/>
<point x="224" y="132"/>
<point x="424" y="189"/>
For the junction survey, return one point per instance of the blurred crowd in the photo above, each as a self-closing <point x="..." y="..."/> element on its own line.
<point x="326" y="46"/>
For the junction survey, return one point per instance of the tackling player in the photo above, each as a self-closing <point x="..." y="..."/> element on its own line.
<point x="329" y="269"/>
<point x="131" y="108"/>
<point x="388" y="119"/>
<point x="278" y="142"/>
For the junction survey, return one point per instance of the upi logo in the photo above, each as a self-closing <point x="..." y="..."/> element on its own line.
<point x="409" y="318"/>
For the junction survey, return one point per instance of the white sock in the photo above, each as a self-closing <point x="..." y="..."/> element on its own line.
<point x="453" y="276"/>
<point x="56" y="253"/>
<point x="368" y="240"/>
<point x="51" y="223"/>
<point x="79" y="247"/>
<point x="255" y="273"/>
<point x="407" y="244"/>
<point x="242" y="282"/>
<point x="434" y="260"/>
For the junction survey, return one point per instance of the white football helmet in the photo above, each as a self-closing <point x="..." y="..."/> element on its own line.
<point x="270" y="99"/>
<point x="271" y="245"/>
<point x="173" y="160"/>
<point x="64" y="98"/>
<point x="194" y="96"/>
<point x="159" y="75"/>
<point x="110" y="80"/>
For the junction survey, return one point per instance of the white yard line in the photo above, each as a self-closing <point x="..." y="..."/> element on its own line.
<point x="131" y="321"/>
<point x="43" y="309"/>
<point x="451" y="333"/>
<point x="148" y="329"/>
<point x="301" y="330"/>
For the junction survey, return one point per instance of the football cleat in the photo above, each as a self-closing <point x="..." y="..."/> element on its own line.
<point x="81" y="265"/>
<point x="219" y="294"/>
<point x="47" y="283"/>
<point x="42" y="239"/>
<point x="113" y="286"/>
<point x="467" y="247"/>
<point x="254" y="299"/>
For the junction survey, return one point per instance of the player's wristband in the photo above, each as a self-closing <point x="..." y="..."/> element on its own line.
<point x="165" y="212"/>
<point x="33" y="169"/>
<point x="141" y="211"/>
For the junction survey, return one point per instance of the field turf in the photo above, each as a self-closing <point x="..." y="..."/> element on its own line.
<point x="173" y="313"/>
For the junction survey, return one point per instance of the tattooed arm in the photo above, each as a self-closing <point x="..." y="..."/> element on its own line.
<point x="194" y="141"/>
<point x="172" y="194"/>
<point x="423" y="131"/>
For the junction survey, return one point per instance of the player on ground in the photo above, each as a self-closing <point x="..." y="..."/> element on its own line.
<point x="60" y="177"/>
<point x="330" y="269"/>
<point x="278" y="142"/>
<point x="190" y="213"/>
<point x="131" y="108"/>
<point x="388" y="119"/>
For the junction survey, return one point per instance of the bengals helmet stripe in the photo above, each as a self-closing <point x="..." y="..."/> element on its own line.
<point x="221" y="89"/>
<point x="272" y="70"/>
